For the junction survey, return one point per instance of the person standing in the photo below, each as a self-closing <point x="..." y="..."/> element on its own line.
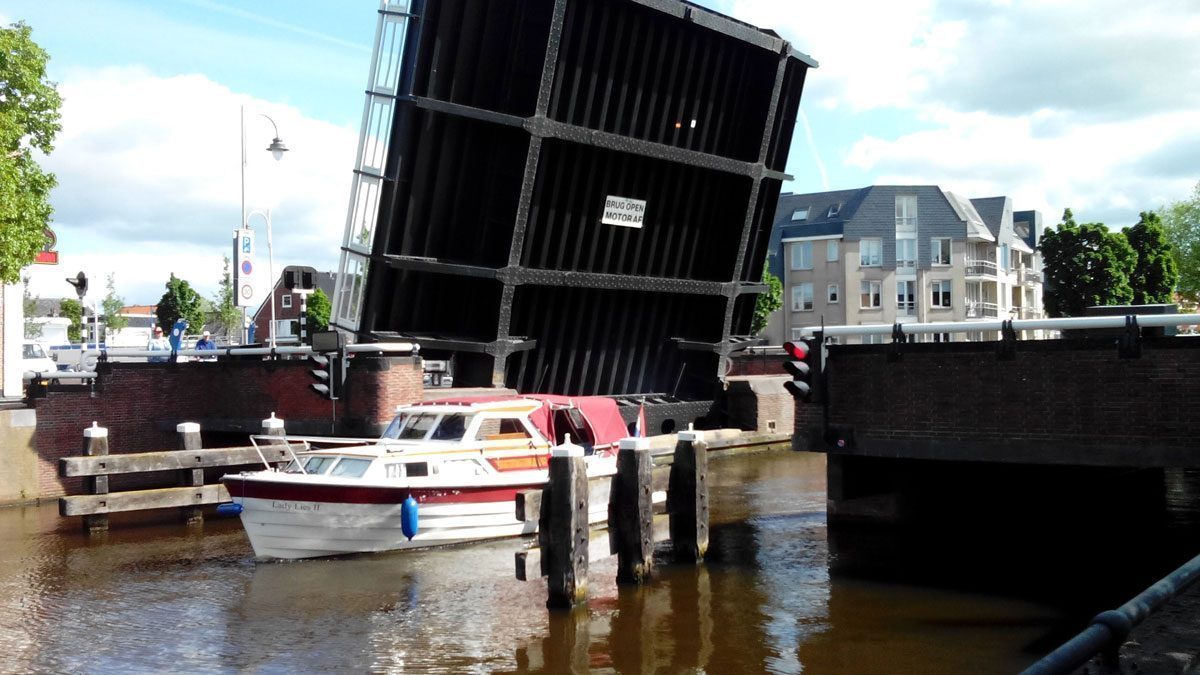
<point x="158" y="343"/>
<point x="205" y="343"/>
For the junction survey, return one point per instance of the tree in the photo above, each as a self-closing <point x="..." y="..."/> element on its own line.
<point x="1181" y="220"/>
<point x="180" y="301"/>
<point x="29" y="120"/>
<point x="33" y="329"/>
<point x="1085" y="265"/>
<point x="72" y="310"/>
<point x="767" y="303"/>
<point x="226" y="312"/>
<point x="112" y="304"/>
<point x="318" y="310"/>
<point x="1154" y="273"/>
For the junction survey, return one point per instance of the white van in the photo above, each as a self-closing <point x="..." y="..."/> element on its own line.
<point x="34" y="358"/>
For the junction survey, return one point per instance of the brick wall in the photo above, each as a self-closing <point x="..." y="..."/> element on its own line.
<point x="1059" y="401"/>
<point x="140" y="404"/>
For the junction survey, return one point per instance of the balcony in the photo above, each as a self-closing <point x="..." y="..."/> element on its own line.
<point x="1028" y="313"/>
<point x="1030" y="277"/>
<point x="982" y="310"/>
<point x="981" y="268"/>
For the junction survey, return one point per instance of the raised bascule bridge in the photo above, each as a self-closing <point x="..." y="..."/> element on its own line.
<point x="569" y="196"/>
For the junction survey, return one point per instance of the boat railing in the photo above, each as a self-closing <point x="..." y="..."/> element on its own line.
<point x="284" y="440"/>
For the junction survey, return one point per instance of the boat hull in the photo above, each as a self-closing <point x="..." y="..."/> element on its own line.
<point x="291" y="520"/>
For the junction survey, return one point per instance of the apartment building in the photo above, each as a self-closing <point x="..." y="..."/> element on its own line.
<point x="896" y="254"/>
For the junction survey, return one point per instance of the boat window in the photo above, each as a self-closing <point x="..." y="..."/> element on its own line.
<point x="393" y="471"/>
<point x="512" y="428"/>
<point x="318" y="465"/>
<point x="417" y="469"/>
<point x="410" y="426"/>
<point x="451" y="427"/>
<point x="459" y="468"/>
<point x="351" y="468"/>
<point x="489" y="427"/>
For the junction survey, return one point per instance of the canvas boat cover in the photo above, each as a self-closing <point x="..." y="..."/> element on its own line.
<point x="600" y="412"/>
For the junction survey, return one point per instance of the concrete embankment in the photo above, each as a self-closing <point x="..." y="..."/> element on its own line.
<point x="19" y="477"/>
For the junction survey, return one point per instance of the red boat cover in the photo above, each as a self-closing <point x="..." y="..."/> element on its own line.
<point x="600" y="412"/>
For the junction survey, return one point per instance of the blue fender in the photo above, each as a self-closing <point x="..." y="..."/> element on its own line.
<point x="409" y="518"/>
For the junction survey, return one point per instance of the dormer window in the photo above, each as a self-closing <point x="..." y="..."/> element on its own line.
<point x="833" y="210"/>
<point x="800" y="214"/>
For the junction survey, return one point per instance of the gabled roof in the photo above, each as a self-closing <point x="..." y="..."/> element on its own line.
<point x="976" y="228"/>
<point x="991" y="209"/>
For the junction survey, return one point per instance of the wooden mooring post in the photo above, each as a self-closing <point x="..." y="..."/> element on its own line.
<point x="189" y="439"/>
<point x="687" y="498"/>
<point x="95" y="444"/>
<point x="563" y="527"/>
<point x="631" y="512"/>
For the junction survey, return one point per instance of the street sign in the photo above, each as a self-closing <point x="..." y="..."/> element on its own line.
<point x="623" y="211"/>
<point x="246" y="284"/>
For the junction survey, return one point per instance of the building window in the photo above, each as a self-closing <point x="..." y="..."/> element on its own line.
<point x="831" y="293"/>
<point x="940" y="250"/>
<point x="906" y="254"/>
<point x="831" y="250"/>
<point x="870" y="295"/>
<point x="873" y="339"/>
<point x="802" y="255"/>
<point x="906" y="212"/>
<point x="800" y="214"/>
<point x="1004" y="262"/>
<point x="906" y="299"/>
<point x="870" y="252"/>
<point x="798" y="333"/>
<point x="941" y="294"/>
<point x="834" y="210"/>
<point x="802" y="297"/>
<point x="286" y="301"/>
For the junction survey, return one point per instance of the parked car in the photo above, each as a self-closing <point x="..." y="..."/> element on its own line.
<point x="34" y="358"/>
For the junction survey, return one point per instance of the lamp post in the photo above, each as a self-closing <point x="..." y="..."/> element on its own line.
<point x="276" y="148"/>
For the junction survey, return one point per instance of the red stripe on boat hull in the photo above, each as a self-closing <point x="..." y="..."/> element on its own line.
<point x="362" y="494"/>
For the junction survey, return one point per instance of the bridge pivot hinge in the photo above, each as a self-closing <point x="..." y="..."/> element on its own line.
<point x="1130" y="344"/>
<point x="1006" y="349"/>
<point x="896" y="350"/>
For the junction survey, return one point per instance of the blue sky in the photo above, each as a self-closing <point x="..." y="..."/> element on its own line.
<point x="1093" y="106"/>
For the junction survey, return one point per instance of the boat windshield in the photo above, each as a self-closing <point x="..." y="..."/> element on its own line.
<point x="426" y="425"/>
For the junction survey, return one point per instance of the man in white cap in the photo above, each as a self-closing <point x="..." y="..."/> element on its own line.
<point x="205" y="342"/>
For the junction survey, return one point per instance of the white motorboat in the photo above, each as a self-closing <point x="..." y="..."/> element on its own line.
<point x="444" y="472"/>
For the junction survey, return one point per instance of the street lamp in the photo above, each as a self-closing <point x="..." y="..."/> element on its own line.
<point x="276" y="148"/>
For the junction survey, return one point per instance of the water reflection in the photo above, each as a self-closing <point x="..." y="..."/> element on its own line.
<point x="778" y="594"/>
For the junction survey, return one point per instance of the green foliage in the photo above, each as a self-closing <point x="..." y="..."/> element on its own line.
<point x="111" y="306"/>
<point x="1154" y="273"/>
<point x="1181" y="220"/>
<point x="318" y="310"/>
<point x="33" y="330"/>
<point x="29" y="120"/>
<point x="72" y="310"/>
<point x="767" y="303"/>
<point x="226" y="312"/>
<point x="1085" y="265"/>
<point x="180" y="301"/>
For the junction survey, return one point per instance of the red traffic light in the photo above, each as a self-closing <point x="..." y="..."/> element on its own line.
<point x="797" y="350"/>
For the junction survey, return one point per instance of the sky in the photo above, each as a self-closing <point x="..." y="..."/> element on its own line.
<point x="1093" y="106"/>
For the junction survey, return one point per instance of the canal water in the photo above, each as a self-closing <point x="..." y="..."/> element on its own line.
<point x="772" y="597"/>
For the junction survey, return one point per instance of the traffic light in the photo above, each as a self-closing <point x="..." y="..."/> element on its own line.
<point x="326" y="346"/>
<point x="322" y="372"/>
<point x="801" y="358"/>
<point x="299" y="278"/>
<point x="80" y="282"/>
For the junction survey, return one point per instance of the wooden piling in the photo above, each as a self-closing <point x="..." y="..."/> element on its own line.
<point x="95" y="444"/>
<point x="189" y="439"/>
<point x="273" y="426"/>
<point x="687" y="498"/>
<point x="563" y="528"/>
<point x="631" y="512"/>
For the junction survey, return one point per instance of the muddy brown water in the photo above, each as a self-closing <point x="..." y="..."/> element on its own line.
<point x="154" y="598"/>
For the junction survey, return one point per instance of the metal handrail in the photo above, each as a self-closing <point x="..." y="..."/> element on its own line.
<point x="1062" y="323"/>
<point x="1109" y="629"/>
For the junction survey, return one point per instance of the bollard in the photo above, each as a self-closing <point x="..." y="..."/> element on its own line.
<point x="687" y="497"/>
<point x="95" y="444"/>
<point x="189" y="439"/>
<point x="631" y="512"/>
<point x="563" y="527"/>
<point x="273" y="426"/>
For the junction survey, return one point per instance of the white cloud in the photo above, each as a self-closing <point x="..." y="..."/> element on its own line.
<point x="150" y="181"/>
<point x="1093" y="106"/>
